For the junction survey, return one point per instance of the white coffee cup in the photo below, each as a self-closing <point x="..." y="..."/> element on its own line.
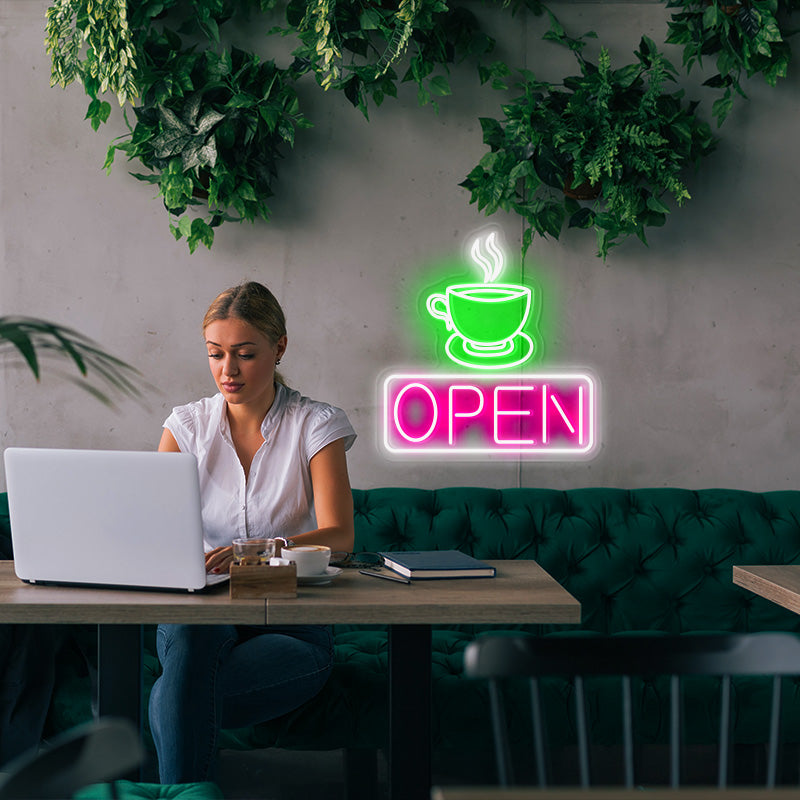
<point x="310" y="559"/>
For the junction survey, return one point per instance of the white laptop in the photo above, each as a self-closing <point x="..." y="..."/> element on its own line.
<point x="106" y="518"/>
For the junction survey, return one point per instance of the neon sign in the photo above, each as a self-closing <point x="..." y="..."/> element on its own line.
<point x="486" y="318"/>
<point x="538" y="414"/>
<point x="489" y="406"/>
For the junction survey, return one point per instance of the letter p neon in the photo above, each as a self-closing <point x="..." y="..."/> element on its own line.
<point x="461" y="414"/>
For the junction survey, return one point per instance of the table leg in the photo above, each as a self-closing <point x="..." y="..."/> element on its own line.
<point x="410" y="712"/>
<point x="119" y="672"/>
<point x="119" y="676"/>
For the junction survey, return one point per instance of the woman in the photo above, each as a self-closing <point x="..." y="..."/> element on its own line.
<point x="271" y="463"/>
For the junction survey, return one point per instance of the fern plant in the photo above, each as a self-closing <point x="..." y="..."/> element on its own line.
<point x="605" y="150"/>
<point x="744" y="38"/>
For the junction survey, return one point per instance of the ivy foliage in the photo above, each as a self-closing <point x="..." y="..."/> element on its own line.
<point x="744" y="39"/>
<point x="355" y="46"/>
<point x="108" y="61"/>
<point x="210" y="123"/>
<point x="211" y="128"/>
<point x="617" y="133"/>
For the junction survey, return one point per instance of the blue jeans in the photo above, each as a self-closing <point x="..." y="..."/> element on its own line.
<point x="226" y="676"/>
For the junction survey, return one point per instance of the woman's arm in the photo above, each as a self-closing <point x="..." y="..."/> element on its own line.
<point x="168" y="443"/>
<point x="333" y="500"/>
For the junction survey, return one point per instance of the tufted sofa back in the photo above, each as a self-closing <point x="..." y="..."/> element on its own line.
<point x="637" y="560"/>
<point x="5" y="528"/>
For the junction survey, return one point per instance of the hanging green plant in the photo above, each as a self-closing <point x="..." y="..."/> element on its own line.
<point x="211" y="123"/>
<point x="211" y="128"/>
<point x="745" y="38"/>
<point x="108" y="61"/>
<point x="355" y="45"/>
<point x="615" y="140"/>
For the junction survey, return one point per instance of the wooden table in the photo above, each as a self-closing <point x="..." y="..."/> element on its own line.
<point x="521" y="593"/>
<point x="778" y="583"/>
<point x="687" y="793"/>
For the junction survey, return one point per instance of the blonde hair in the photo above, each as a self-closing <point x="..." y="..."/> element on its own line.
<point x="254" y="304"/>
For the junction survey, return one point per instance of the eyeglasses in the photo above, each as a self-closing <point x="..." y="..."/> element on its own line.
<point x="357" y="560"/>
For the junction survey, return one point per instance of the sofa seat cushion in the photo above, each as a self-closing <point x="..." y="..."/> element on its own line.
<point x="131" y="790"/>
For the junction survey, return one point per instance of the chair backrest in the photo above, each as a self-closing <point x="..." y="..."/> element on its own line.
<point x="725" y="656"/>
<point x="92" y="753"/>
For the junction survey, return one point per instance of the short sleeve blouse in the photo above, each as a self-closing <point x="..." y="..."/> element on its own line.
<point x="277" y="499"/>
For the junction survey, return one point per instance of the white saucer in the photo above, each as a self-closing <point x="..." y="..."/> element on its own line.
<point x="319" y="580"/>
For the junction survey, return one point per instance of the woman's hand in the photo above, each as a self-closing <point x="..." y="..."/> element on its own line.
<point x="219" y="559"/>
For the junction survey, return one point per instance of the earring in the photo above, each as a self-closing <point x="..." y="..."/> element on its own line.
<point x="277" y="362"/>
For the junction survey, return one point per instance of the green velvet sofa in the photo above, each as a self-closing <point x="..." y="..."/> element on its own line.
<point x="646" y="559"/>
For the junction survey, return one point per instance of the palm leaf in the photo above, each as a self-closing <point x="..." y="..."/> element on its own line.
<point x="16" y="335"/>
<point x="101" y="374"/>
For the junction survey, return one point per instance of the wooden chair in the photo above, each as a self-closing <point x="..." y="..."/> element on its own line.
<point x="92" y="753"/>
<point x="497" y="658"/>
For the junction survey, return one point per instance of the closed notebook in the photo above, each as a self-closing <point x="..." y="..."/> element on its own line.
<point x="424" y="564"/>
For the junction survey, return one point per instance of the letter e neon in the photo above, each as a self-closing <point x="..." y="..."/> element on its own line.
<point x="498" y="413"/>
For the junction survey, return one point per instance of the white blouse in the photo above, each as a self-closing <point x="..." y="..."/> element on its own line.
<point x="277" y="499"/>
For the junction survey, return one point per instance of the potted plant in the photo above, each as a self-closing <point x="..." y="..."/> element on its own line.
<point x="614" y="134"/>
<point x="745" y="37"/>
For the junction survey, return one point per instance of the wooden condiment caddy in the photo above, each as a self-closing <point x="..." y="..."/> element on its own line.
<point x="261" y="581"/>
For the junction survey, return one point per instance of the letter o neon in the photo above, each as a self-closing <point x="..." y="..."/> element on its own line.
<point x="397" y="424"/>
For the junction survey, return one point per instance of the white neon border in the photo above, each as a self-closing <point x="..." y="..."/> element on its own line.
<point x="542" y="452"/>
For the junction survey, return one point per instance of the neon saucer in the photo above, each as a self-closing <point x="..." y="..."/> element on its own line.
<point x="511" y="354"/>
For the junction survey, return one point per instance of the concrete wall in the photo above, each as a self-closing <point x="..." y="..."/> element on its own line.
<point x="693" y="339"/>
